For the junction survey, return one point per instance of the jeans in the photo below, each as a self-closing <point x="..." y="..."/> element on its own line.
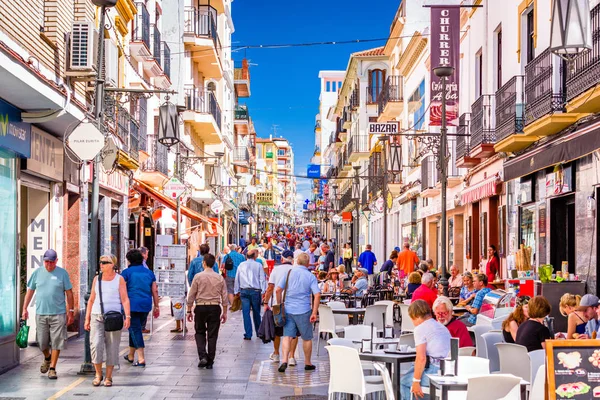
<point x="250" y="299"/>
<point x="406" y="381"/>
<point x="136" y="338"/>
<point x="207" y="323"/>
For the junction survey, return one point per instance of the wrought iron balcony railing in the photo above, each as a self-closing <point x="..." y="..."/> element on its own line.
<point x="204" y="102"/>
<point x="141" y="25"/>
<point x="201" y="21"/>
<point x="463" y="139"/>
<point x="482" y="121"/>
<point x="241" y="154"/>
<point x="392" y="91"/>
<point x="166" y="59"/>
<point x="241" y="113"/>
<point x="159" y="157"/>
<point x="358" y="144"/>
<point x="543" y="90"/>
<point x="121" y="123"/>
<point x="156" y="44"/>
<point x="346" y="199"/>
<point x="375" y="173"/>
<point x="355" y="98"/>
<point x="510" y="108"/>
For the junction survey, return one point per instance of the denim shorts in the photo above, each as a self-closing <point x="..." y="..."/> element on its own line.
<point x="298" y="324"/>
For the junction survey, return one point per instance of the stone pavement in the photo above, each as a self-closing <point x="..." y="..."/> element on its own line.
<point x="242" y="370"/>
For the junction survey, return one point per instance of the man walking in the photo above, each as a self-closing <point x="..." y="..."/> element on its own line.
<point x="209" y="294"/>
<point x="242" y="242"/>
<point x="250" y="283"/>
<point x="51" y="284"/>
<point x="301" y="284"/>
<point x="312" y="256"/>
<point x="407" y="260"/>
<point x="329" y="258"/>
<point x="231" y="263"/>
<point x="196" y="264"/>
<point x="279" y="273"/>
<point x="367" y="259"/>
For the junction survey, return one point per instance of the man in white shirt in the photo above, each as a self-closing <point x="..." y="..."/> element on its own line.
<point x="297" y="252"/>
<point x="250" y="284"/>
<point x="278" y="273"/>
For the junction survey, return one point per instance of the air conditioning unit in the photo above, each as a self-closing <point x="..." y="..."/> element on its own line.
<point x="111" y="53"/>
<point x="82" y="56"/>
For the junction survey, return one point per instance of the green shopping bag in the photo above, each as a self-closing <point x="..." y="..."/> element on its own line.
<point x="23" y="335"/>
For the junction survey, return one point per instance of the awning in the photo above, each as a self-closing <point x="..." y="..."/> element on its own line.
<point x="568" y="147"/>
<point x="168" y="202"/>
<point x="487" y="188"/>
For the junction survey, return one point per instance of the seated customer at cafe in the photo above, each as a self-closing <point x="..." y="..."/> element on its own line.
<point x="480" y="281"/>
<point x="442" y="308"/>
<point x="360" y="284"/>
<point x="468" y="290"/>
<point x="511" y="324"/>
<point x="533" y="333"/>
<point x="590" y="305"/>
<point x="426" y="291"/>
<point x="414" y="281"/>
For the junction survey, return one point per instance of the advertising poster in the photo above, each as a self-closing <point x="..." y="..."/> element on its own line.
<point x="573" y="369"/>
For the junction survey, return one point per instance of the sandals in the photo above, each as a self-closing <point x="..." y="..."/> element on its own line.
<point x="139" y="364"/>
<point x="176" y="330"/>
<point x="98" y="380"/>
<point x="108" y="382"/>
<point x="128" y="360"/>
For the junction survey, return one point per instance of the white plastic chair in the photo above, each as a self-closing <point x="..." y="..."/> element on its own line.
<point x="466" y="351"/>
<point x="537" y="359"/>
<point x="346" y="374"/>
<point x="389" y="313"/>
<point x="407" y="324"/>
<point x="473" y="366"/>
<point x="366" y="365"/>
<point x="407" y="339"/>
<point x="340" y="319"/>
<point x="494" y="386"/>
<point x="387" y="381"/>
<point x="327" y="324"/>
<point x="490" y="339"/>
<point x="538" y="384"/>
<point x="375" y="314"/>
<point x="357" y="332"/>
<point x="514" y="360"/>
<point x="479" y="330"/>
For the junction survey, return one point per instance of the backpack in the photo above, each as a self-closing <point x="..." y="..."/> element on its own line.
<point x="229" y="264"/>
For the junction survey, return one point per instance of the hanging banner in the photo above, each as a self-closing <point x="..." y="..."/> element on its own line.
<point x="445" y="51"/>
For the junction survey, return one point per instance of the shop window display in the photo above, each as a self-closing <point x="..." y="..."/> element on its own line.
<point x="8" y="236"/>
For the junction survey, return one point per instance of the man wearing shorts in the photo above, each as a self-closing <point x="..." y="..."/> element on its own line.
<point x="51" y="283"/>
<point x="237" y="259"/>
<point x="299" y="315"/>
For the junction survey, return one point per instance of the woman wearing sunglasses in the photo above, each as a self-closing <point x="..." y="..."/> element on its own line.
<point x="114" y="298"/>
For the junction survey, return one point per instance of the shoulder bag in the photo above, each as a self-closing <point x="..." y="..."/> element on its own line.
<point x="113" y="320"/>
<point x="279" y="309"/>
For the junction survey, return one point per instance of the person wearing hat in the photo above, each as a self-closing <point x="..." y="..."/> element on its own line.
<point x="590" y="304"/>
<point x="51" y="285"/>
<point x="279" y="272"/>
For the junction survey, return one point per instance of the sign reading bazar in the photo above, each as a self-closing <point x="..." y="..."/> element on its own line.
<point x="384" y="128"/>
<point x="445" y="51"/>
<point x="14" y="134"/>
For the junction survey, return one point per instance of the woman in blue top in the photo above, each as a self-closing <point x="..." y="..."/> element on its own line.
<point x="141" y="289"/>
<point x="468" y="291"/>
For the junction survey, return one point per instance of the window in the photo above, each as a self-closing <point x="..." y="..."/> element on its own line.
<point x="498" y="58"/>
<point x="419" y="114"/>
<point x="530" y="35"/>
<point x="281" y="152"/>
<point x="376" y="80"/>
<point x="483" y="238"/>
<point x="8" y="237"/>
<point x="478" y="74"/>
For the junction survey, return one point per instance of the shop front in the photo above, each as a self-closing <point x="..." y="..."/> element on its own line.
<point x="15" y="142"/>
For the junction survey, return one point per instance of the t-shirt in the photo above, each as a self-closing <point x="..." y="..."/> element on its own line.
<point x="387" y="266"/>
<point x="532" y="334"/>
<point x="458" y="330"/>
<point x="361" y="285"/>
<point x="367" y="260"/>
<point x="278" y="273"/>
<point x="424" y="293"/>
<point x="50" y="290"/>
<point x="436" y="336"/>
<point x="329" y="260"/>
<point x="302" y="284"/>
<point x="139" y="287"/>
<point x="407" y="260"/>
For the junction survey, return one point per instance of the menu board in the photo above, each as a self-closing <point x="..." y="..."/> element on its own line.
<point x="573" y="369"/>
<point x="169" y="267"/>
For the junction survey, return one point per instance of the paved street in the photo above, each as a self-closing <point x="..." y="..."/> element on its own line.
<point x="242" y="370"/>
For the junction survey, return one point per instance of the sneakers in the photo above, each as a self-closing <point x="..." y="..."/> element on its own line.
<point x="292" y="362"/>
<point x="52" y="374"/>
<point x="283" y="367"/>
<point x="274" y="357"/>
<point x="310" y="367"/>
<point x="203" y="363"/>
<point x="45" y="366"/>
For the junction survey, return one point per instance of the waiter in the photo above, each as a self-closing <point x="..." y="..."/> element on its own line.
<point x="209" y="294"/>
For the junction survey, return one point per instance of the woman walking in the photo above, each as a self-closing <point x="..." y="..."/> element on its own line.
<point x="113" y="298"/>
<point x="142" y="289"/>
<point x="348" y="258"/>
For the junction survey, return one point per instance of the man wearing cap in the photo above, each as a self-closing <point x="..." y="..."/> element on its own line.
<point x="278" y="273"/>
<point x="51" y="283"/>
<point x="589" y="305"/>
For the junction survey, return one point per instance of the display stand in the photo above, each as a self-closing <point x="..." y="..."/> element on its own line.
<point x="169" y="267"/>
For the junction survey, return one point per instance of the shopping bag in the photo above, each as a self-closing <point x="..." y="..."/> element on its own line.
<point x="178" y="306"/>
<point x="236" y="305"/>
<point x="23" y="335"/>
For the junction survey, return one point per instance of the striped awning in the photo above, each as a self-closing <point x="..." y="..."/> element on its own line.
<point x="487" y="188"/>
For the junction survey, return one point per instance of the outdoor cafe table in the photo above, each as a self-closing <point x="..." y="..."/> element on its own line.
<point x="389" y="359"/>
<point x="446" y="384"/>
<point x="352" y="312"/>
<point x="377" y="341"/>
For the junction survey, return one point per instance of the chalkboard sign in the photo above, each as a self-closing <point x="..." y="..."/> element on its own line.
<point x="573" y="369"/>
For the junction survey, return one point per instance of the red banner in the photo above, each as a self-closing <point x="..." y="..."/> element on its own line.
<point x="445" y="51"/>
<point x="347" y="217"/>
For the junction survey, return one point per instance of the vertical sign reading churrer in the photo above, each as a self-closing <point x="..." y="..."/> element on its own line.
<point x="445" y="51"/>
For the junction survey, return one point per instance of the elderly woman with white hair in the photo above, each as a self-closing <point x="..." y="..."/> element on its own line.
<point x="442" y="308"/>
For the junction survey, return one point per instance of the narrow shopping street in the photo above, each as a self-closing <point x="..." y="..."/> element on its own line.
<point x="242" y="370"/>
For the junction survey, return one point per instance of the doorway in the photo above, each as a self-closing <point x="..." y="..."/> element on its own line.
<point x="562" y="232"/>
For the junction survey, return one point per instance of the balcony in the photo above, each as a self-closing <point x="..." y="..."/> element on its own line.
<point x="152" y="64"/>
<point x="582" y="93"/>
<point x="429" y="177"/>
<point x="125" y="129"/>
<point x="364" y="198"/>
<point x="544" y="97"/>
<point x="155" y="170"/>
<point x="391" y="100"/>
<point x="241" y="79"/>
<point x="510" y="116"/>
<point x="340" y="132"/>
<point x="455" y="175"/>
<point x="241" y="119"/>
<point x="355" y="98"/>
<point x="241" y="155"/>
<point x="204" y="114"/>
<point x="346" y="201"/>
<point x="463" y="143"/>
<point x="282" y="153"/>
<point x="163" y="80"/>
<point x="358" y="148"/>
<point x="139" y="46"/>
<point x="201" y="39"/>
<point x="483" y="135"/>
<point x="346" y="118"/>
<point x="375" y="181"/>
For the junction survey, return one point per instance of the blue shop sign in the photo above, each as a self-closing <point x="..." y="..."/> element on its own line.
<point x="313" y="171"/>
<point x="244" y="218"/>
<point x="15" y="135"/>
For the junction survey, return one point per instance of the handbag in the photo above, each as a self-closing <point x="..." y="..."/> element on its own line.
<point x="279" y="309"/>
<point x="113" y="320"/>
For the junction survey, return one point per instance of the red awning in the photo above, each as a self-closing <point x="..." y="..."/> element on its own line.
<point x="168" y="202"/>
<point x="487" y="188"/>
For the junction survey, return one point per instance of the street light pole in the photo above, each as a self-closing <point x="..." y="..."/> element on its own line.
<point x="384" y="139"/>
<point x="357" y="197"/>
<point x="443" y="72"/>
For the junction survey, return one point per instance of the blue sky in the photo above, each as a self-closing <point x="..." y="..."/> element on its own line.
<point x="284" y="81"/>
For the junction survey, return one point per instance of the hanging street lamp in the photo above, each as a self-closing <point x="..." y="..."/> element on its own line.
<point x="570" y="31"/>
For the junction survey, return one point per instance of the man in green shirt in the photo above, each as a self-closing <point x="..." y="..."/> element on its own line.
<point x="51" y="284"/>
